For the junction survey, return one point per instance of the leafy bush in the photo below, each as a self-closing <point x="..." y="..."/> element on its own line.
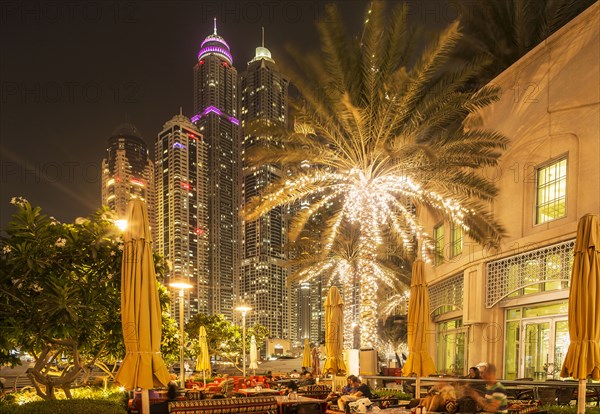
<point x="65" y="407"/>
<point x="567" y="409"/>
<point x="85" y="400"/>
<point x="392" y="393"/>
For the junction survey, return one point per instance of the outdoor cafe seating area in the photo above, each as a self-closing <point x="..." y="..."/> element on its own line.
<point x="253" y="394"/>
<point x="260" y="394"/>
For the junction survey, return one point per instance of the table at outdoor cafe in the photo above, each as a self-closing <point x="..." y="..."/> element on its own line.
<point x="308" y="405"/>
<point x="248" y="392"/>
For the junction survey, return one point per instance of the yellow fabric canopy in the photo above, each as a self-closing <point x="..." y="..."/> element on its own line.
<point x="203" y="363"/>
<point x="583" y="357"/>
<point x="306" y="360"/>
<point x="316" y="364"/>
<point x="143" y="365"/>
<point x="253" y="355"/>
<point x="419" y="361"/>
<point x="334" y="333"/>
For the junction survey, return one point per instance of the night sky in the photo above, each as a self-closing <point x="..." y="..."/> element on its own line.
<point x="71" y="71"/>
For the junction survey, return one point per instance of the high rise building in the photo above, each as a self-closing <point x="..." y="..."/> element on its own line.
<point x="127" y="171"/>
<point x="182" y="209"/>
<point x="263" y="282"/>
<point x="216" y="117"/>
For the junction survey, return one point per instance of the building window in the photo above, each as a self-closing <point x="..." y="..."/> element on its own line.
<point x="455" y="240"/>
<point x="536" y="271"/>
<point x="551" y="191"/>
<point x="451" y="349"/>
<point x="438" y="236"/>
<point x="447" y="295"/>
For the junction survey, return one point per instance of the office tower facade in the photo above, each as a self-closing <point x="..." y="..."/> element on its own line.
<point x="127" y="171"/>
<point x="216" y="117"/>
<point x="264" y="275"/>
<point x="181" y="205"/>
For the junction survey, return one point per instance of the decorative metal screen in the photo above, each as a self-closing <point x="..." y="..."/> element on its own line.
<point x="448" y="294"/>
<point x="534" y="268"/>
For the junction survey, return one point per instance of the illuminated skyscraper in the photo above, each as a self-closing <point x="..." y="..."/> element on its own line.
<point x="127" y="171"/>
<point x="182" y="209"/>
<point x="263" y="283"/>
<point x="216" y="117"/>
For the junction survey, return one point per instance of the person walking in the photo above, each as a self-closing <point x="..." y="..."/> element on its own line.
<point x="495" y="399"/>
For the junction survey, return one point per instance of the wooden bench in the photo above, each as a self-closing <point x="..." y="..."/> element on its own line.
<point x="258" y="405"/>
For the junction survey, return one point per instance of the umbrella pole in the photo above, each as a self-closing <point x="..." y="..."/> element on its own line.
<point x="204" y="377"/>
<point x="145" y="401"/>
<point x="581" y="396"/>
<point x="418" y="387"/>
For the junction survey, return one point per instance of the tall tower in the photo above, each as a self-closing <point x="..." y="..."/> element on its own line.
<point x="182" y="209"/>
<point x="127" y="171"/>
<point x="263" y="284"/>
<point x="216" y="112"/>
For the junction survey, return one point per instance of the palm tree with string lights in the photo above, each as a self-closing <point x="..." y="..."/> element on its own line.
<point x="381" y="135"/>
<point x="344" y="266"/>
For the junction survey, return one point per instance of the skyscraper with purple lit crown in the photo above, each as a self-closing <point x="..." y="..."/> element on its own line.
<point x="216" y="117"/>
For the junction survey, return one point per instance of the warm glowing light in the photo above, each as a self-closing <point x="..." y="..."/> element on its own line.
<point x="180" y="284"/>
<point x="121" y="224"/>
<point x="243" y="308"/>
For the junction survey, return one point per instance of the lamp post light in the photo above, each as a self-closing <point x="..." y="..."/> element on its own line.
<point x="181" y="285"/>
<point x="244" y="309"/>
<point x="121" y="224"/>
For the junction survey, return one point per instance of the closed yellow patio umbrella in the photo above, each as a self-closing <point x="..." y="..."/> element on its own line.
<point x="253" y="355"/>
<point x="334" y="335"/>
<point x="203" y="363"/>
<point x="316" y="364"/>
<point x="583" y="357"/>
<point x="143" y="365"/>
<point x="306" y="360"/>
<point x="419" y="361"/>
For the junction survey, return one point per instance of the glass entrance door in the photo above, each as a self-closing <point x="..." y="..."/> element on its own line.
<point x="544" y="345"/>
<point x="537" y="338"/>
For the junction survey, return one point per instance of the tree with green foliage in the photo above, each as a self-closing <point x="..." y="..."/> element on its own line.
<point x="60" y="295"/>
<point x="223" y="338"/>
<point x="505" y="30"/>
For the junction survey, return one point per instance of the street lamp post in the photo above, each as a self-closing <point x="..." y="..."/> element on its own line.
<point x="181" y="285"/>
<point x="244" y="310"/>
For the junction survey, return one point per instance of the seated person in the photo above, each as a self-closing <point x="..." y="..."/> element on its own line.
<point x="294" y="374"/>
<point x="439" y="396"/>
<point x="269" y="382"/>
<point x="495" y="399"/>
<point x="346" y="389"/>
<point x="362" y="391"/>
<point x="303" y="372"/>
<point x="475" y="374"/>
<point x="163" y="407"/>
<point x="290" y="388"/>
<point x="308" y="380"/>
<point x="226" y="385"/>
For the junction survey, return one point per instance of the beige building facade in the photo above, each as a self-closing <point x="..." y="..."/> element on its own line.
<point x="509" y="306"/>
